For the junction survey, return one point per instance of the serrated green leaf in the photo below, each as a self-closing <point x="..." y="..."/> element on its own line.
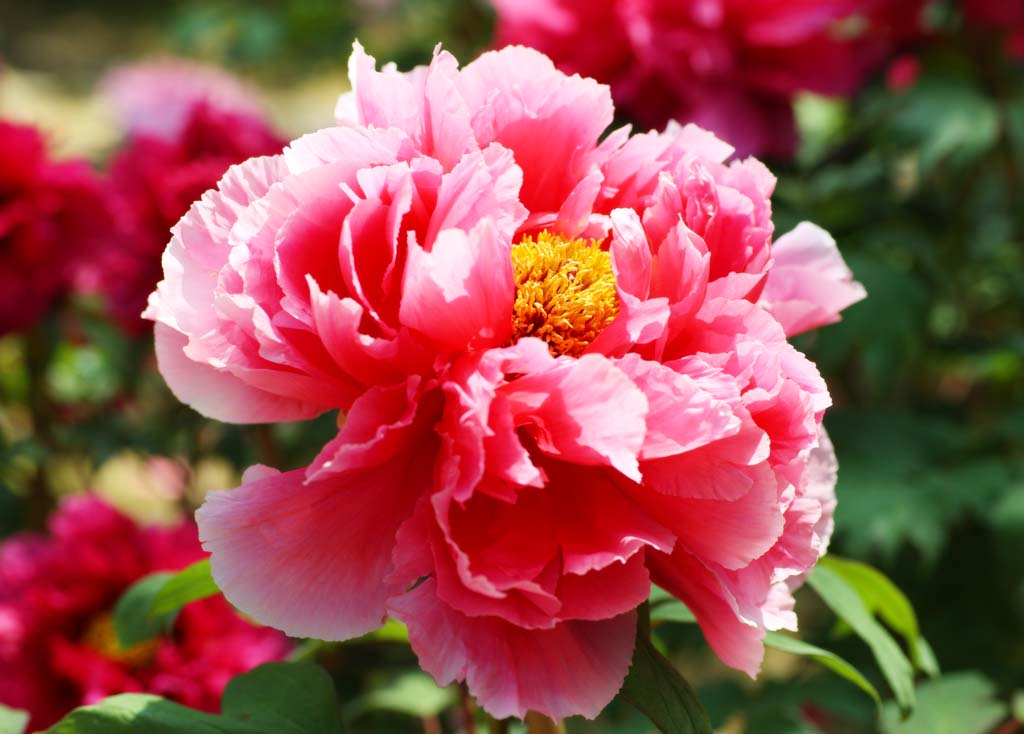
<point x="844" y="600"/>
<point x="284" y="698"/>
<point x="132" y="621"/>
<point x="188" y="585"/>
<point x="882" y="597"/>
<point x="659" y="692"/>
<point x="961" y="703"/>
<point x="830" y="660"/>
<point x="13" y="721"/>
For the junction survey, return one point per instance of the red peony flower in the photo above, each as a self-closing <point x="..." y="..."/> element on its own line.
<point x="564" y="366"/>
<point x="58" y="649"/>
<point x="52" y="217"/>
<point x="186" y="124"/>
<point x="1005" y="15"/>
<point x="732" y="66"/>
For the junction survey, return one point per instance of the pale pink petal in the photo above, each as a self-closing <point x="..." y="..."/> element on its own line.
<point x="218" y="394"/>
<point x="575" y="668"/>
<point x="809" y="284"/>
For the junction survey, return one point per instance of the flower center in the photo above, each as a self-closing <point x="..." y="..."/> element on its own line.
<point x="101" y="636"/>
<point x="565" y="292"/>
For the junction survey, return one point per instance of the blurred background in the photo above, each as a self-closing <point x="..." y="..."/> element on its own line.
<point x="918" y="172"/>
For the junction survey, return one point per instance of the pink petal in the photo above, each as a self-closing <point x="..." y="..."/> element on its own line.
<point x="585" y="411"/>
<point x="809" y="284"/>
<point x="738" y="642"/>
<point x="218" y="394"/>
<point x="575" y="668"/>
<point x="460" y="294"/>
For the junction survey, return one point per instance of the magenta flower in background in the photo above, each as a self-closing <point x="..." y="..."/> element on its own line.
<point x="185" y="125"/>
<point x="58" y="649"/>
<point x="53" y="215"/>
<point x="732" y="66"/>
<point x="563" y="363"/>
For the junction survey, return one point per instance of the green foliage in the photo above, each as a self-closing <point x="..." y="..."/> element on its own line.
<point x="846" y="603"/>
<point x="796" y="646"/>
<point x="656" y="689"/>
<point x="188" y="585"/>
<point x="960" y="703"/>
<point x="12" y="721"/>
<point x="133" y="622"/>
<point x="276" y="698"/>
<point x="414" y="694"/>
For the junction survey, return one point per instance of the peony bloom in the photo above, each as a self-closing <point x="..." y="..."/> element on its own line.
<point x="58" y="649"/>
<point x="562" y="365"/>
<point x="52" y="216"/>
<point x="1005" y="15"/>
<point x="732" y="66"/>
<point x="186" y="124"/>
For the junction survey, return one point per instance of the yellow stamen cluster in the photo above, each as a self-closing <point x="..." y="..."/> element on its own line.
<point x="101" y="636"/>
<point x="565" y="292"/>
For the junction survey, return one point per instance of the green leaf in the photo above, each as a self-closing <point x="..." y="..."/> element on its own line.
<point x="414" y="693"/>
<point x="882" y="597"/>
<point x="284" y="698"/>
<point x="844" y="600"/>
<point x="676" y="611"/>
<point x="132" y="620"/>
<point x="660" y="693"/>
<point x="276" y="698"/>
<point x="188" y="585"/>
<point x="961" y="703"/>
<point x="13" y="721"/>
<point x="672" y="611"/>
<point x="142" y="713"/>
<point x="830" y="660"/>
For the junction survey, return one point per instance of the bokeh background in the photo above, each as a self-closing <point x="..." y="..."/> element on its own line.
<point x="919" y="176"/>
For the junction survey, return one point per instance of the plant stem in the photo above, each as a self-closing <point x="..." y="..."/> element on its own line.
<point x="466" y="704"/>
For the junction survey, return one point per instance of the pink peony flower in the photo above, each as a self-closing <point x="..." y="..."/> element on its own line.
<point x="732" y="66"/>
<point x="52" y="216"/>
<point x="58" y="649"/>
<point x="186" y="124"/>
<point x="559" y="368"/>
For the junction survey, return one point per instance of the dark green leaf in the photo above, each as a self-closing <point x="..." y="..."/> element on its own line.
<point x="661" y="694"/>
<point x="188" y="585"/>
<point x="961" y="703"/>
<point x="12" y="721"/>
<point x="132" y="620"/>
<point x="284" y="698"/>
<point x="844" y="600"/>
<point x="830" y="660"/>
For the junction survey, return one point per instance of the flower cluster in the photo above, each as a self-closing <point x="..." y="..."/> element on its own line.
<point x="186" y="124"/>
<point x="563" y="366"/>
<point x="53" y="217"/>
<point x="732" y="66"/>
<point x="58" y="648"/>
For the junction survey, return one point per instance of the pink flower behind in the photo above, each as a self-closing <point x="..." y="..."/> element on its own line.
<point x="185" y="125"/>
<point x="53" y="216"/>
<point x="57" y="644"/>
<point x="1003" y="15"/>
<point x="732" y="66"/>
<point x="558" y="364"/>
